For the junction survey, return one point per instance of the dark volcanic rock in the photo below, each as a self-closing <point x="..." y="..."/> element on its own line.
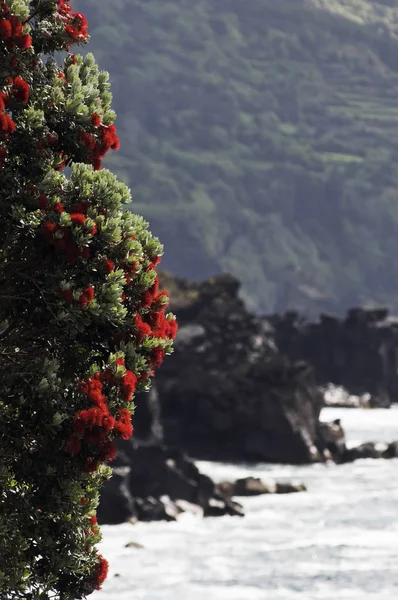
<point x="158" y="484"/>
<point x="391" y="450"/>
<point x="227" y="393"/>
<point x="358" y="352"/>
<point x="366" y="450"/>
<point x="153" y="482"/>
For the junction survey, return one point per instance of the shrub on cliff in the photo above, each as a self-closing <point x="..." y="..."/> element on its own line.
<point x="82" y="321"/>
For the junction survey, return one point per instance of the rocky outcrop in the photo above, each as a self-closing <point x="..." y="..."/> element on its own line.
<point x="358" y="352"/>
<point x="227" y="393"/>
<point x="151" y="482"/>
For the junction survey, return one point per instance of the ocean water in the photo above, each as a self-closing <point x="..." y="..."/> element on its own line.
<point x="338" y="541"/>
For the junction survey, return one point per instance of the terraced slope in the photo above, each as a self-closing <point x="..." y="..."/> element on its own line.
<point x="260" y="138"/>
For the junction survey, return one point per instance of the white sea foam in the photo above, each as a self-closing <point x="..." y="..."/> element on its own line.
<point x="339" y="541"/>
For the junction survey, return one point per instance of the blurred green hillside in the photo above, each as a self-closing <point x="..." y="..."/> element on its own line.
<point x="260" y="137"/>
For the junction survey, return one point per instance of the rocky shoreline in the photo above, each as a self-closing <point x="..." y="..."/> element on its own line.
<point x="227" y="394"/>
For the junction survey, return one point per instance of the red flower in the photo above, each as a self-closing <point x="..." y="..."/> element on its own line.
<point x="97" y="163"/>
<point x="87" y="140"/>
<point x="68" y="295"/>
<point x="173" y="328"/>
<point x="120" y="362"/>
<point x="23" y="41"/>
<point x="109" y="265"/>
<point x="89" y="293"/>
<point x="77" y="219"/>
<point x="129" y="382"/>
<point x="72" y="445"/>
<point x="49" y="229"/>
<point x="123" y="426"/>
<point x="20" y="90"/>
<point x="146" y="299"/>
<point x="143" y="329"/>
<point x="97" y="397"/>
<point x="7" y="125"/>
<point x="156" y="356"/>
<point x="96" y="120"/>
<point x="63" y="7"/>
<point x="3" y="101"/>
<point x="108" y="423"/>
<point x="101" y="571"/>
<point x="16" y="25"/>
<point x="107" y="451"/>
<point x="58" y="208"/>
<point x="5" y="29"/>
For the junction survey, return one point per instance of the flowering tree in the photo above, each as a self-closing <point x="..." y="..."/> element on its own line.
<point x="82" y="321"/>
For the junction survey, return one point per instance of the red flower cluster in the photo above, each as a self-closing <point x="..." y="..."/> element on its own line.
<point x="77" y="219"/>
<point x="87" y="296"/>
<point x="157" y="356"/>
<point x="94" y="425"/>
<point x="109" y="265"/>
<point x="101" y="571"/>
<point x="77" y="29"/>
<point x="142" y="329"/>
<point x="123" y="426"/>
<point x="76" y="26"/>
<point x="68" y="295"/>
<point x="12" y="31"/>
<point x="20" y="90"/>
<point x="97" y="148"/>
<point x="7" y="125"/>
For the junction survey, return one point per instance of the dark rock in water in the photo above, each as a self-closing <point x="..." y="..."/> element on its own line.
<point x="254" y="486"/>
<point x="153" y="482"/>
<point x="289" y="487"/>
<point x="358" y="352"/>
<point x="134" y="545"/>
<point x="218" y="507"/>
<point x="391" y="450"/>
<point x="227" y="393"/>
<point x="367" y="450"/>
<point x="158" y="484"/>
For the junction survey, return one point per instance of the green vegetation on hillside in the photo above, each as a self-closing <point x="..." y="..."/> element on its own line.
<point x="265" y="133"/>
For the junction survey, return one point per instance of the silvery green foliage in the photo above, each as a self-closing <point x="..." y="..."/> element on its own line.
<point x="82" y="321"/>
